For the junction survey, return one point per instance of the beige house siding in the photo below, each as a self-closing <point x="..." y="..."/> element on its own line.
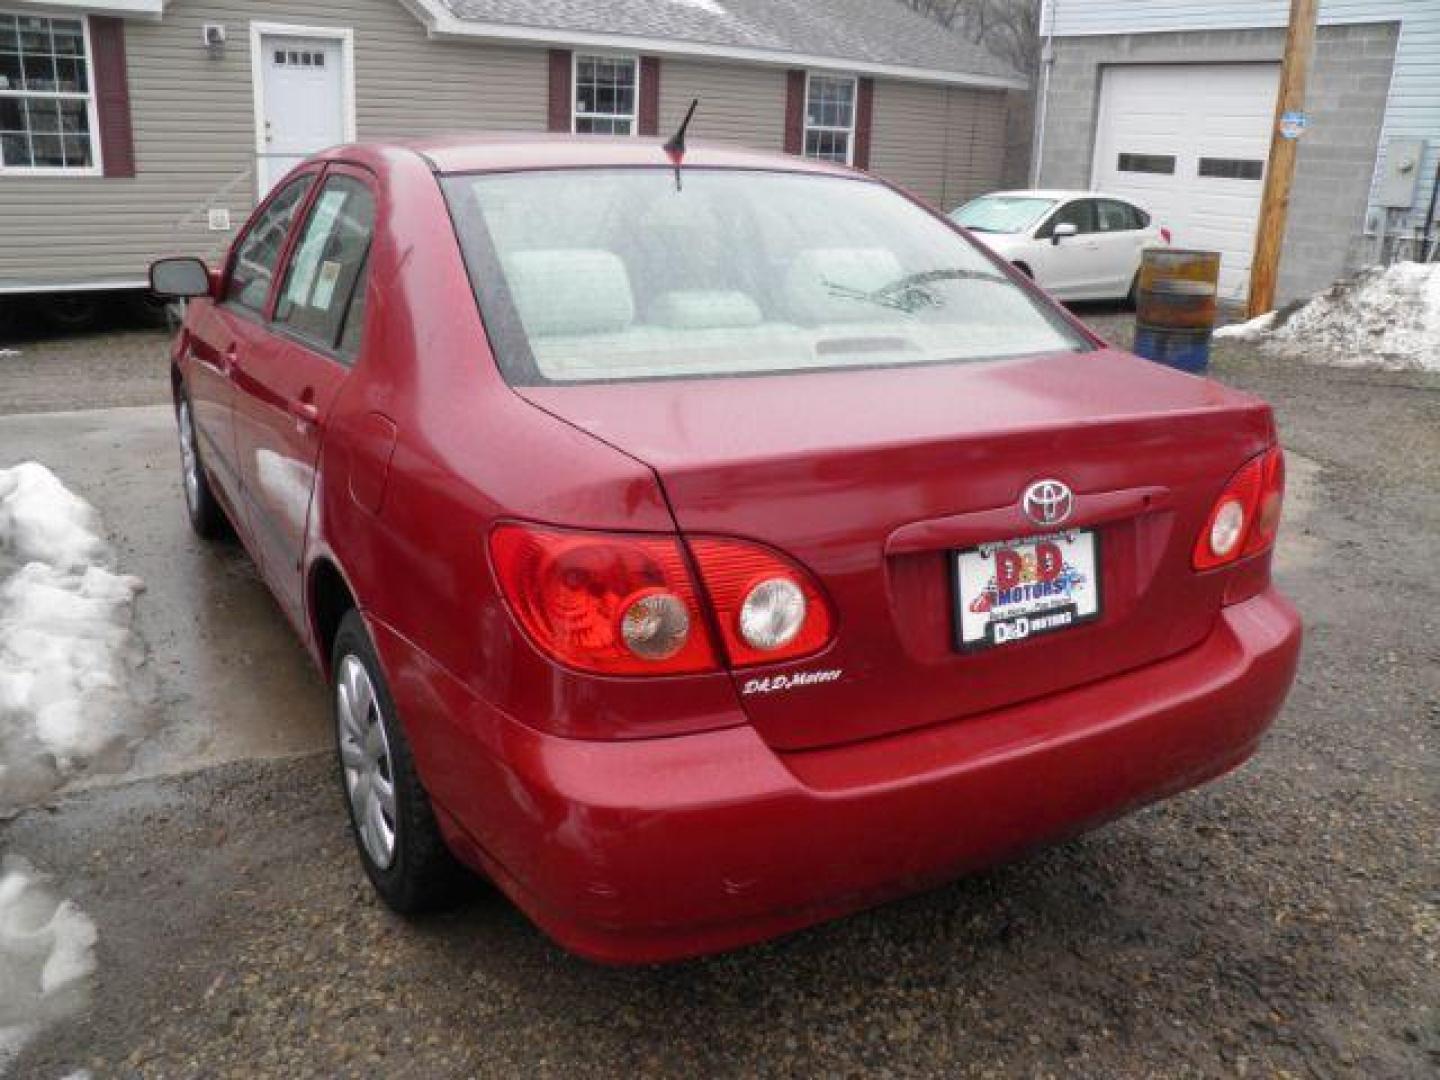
<point x="738" y="104"/>
<point x="975" y="144"/>
<point x="194" y="125"/>
<point x="943" y="144"/>
<point x="905" y="147"/>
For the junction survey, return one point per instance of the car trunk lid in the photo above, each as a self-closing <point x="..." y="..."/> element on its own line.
<point x="873" y="479"/>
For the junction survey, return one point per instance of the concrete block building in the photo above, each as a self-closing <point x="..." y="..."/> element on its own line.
<point x="1173" y="103"/>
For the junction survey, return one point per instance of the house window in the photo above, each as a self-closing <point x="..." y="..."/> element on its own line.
<point x="830" y="117"/>
<point x="607" y="89"/>
<point x="47" y="96"/>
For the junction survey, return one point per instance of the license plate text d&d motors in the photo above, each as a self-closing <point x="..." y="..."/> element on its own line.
<point x="1019" y="589"/>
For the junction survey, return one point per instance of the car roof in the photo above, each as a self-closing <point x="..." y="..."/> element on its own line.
<point x="465" y="153"/>
<point x="1059" y="193"/>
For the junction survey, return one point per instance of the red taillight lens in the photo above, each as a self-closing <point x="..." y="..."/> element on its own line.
<point x="768" y="607"/>
<point x="1246" y="517"/>
<point x="1165" y="234"/>
<point x="1266" y="525"/>
<point x="620" y="604"/>
<point x="607" y="603"/>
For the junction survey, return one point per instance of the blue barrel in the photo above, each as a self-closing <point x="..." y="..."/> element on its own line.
<point x="1188" y="350"/>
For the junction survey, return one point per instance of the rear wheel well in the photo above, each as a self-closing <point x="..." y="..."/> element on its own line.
<point x="330" y="599"/>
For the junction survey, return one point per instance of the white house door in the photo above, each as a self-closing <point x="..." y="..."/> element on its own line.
<point x="302" y="103"/>
<point x="1190" y="142"/>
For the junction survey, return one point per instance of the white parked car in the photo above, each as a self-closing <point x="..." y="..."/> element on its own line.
<point x="1078" y="245"/>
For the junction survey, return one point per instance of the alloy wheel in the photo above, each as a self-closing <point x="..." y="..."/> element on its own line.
<point x="189" y="459"/>
<point x="365" y="759"/>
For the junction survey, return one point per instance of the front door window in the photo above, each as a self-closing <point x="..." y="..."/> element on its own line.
<point x="258" y="253"/>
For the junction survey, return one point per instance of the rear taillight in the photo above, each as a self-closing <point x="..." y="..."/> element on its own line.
<point x="768" y="608"/>
<point x="607" y="603"/>
<point x="626" y="604"/>
<point x="1246" y="516"/>
<point x="1165" y="234"/>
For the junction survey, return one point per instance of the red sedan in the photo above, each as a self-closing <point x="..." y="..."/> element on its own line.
<point x="702" y="551"/>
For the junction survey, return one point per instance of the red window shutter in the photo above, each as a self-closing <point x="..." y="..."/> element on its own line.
<point x="112" y="95"/>
<point x="649" y="95"/>
<point x="562" y="96"/>
<point x="795" y="113"/>
<point x="864" y="114"/>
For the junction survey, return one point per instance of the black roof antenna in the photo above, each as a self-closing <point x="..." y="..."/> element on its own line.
<point x="675" y="148"/>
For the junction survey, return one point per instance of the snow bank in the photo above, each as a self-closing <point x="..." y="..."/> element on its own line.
<point x="1386" y="316"/>
<point x="47" y="955"/>
<point x="1254" y="330"/>
<point x="43" y="520"/>
<point x="68" y="658"/>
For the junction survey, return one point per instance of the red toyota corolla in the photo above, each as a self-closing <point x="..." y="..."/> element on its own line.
<point x="700" y="553"/>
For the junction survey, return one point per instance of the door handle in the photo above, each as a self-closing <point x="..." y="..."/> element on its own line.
<point x="306" y="412"/>
<point x="229" y="361"/>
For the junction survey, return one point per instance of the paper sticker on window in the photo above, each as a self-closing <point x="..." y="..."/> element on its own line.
<point x="325" y="285"/>
<point x="317" y="235"/>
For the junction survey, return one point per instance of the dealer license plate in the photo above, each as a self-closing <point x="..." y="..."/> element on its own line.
<point x="1020" y="589"/>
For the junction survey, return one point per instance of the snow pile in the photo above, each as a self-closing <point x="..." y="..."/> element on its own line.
<point x="1385" y="316"/>
<point x="47" y="955"/>
<point x="68" y="658"/>
<point x="1254" y="330"/>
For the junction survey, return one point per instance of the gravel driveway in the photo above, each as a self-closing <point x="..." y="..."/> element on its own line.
<point x="1282" y="922"/>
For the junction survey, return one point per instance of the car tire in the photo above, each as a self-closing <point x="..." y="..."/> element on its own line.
<point x="396" y="834"/>
<point x="206" y="516"/>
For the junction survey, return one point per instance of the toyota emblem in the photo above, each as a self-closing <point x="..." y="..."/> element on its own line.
<point x="1048" y="502"/>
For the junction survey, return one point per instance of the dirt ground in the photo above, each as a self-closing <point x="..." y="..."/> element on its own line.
<point x="1282" y="922"/>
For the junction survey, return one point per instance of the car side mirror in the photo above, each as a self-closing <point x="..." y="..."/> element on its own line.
<point x="1064" y="229"/>
<point x="180" y="278"/>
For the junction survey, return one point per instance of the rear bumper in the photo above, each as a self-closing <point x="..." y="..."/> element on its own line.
<point x="644" y="851"/>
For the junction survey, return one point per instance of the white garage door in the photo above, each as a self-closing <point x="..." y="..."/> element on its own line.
<point x="1190" y="141"/>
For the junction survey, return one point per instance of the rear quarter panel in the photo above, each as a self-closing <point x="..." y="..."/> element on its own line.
<point x="467" y="452"/>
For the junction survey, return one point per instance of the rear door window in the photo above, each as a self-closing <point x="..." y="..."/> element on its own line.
<point x="349" y="346"/>
<point x="327" y="270"/>
<point x="1080" y="213"/>
<point x="259" y="252"/>
<point x="1114" y="216"/>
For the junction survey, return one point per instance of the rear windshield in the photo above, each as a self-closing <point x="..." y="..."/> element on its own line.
<point x="586" y="275"/>
<point x="1002" y="213"/>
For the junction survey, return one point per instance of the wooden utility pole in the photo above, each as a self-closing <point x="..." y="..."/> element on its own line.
<point x="1284" y="141"/>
